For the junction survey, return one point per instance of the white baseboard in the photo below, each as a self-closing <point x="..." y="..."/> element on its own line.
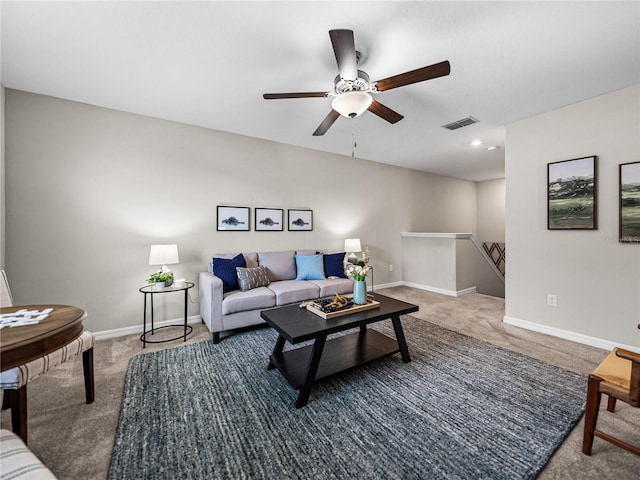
<point x="137" y="329"/>
<point x="450" y="293"/>
<point x="386" y="285"/>
<point x="568" y="335"/>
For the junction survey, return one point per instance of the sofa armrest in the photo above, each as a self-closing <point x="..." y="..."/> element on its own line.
<point x="211" y="301"/>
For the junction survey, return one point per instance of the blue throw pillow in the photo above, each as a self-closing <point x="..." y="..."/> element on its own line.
<point x="333" y="265"/>
<point x="309" y="267"/>
<point x="225" y="270"/>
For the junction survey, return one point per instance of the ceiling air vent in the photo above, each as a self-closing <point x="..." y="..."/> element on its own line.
<point x="463" y="122"/>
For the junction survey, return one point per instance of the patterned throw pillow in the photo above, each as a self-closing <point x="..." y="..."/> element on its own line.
<point x="249" y="278"/>
<point x="225" y="269"/>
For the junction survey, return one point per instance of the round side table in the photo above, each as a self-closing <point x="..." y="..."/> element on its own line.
<point x="151" y="290"/>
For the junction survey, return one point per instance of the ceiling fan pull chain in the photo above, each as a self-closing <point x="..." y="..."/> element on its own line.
<point x="354" y="143"/>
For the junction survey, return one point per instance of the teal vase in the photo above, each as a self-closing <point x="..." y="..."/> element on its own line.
<point x="359" y="292"/>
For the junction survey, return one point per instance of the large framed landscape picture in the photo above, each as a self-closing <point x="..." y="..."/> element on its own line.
<point x="572" y="194"/>
<point x="630" y="202"/>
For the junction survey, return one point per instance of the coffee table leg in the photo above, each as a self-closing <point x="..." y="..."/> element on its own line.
<point x="402" y="343"/>
<point x="312" y="369"/>
<point x="276" y="350"/>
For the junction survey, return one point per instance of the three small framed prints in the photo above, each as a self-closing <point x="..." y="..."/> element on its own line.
<point x="266" y="219"/>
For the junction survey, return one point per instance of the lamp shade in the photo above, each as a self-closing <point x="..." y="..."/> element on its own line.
<point x="163" y="255"/>
<point x="351" y="104"/>
<point x="352" y="245"/>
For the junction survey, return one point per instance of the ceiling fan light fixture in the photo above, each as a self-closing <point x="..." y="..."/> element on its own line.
<point x="352" y="104"/>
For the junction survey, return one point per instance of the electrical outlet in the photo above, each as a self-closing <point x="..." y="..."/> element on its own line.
<point x="552" y="299"/>
<point x="390" y="267"/>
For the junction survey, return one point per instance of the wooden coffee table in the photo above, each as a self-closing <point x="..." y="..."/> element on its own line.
<point x="303" y="366"/>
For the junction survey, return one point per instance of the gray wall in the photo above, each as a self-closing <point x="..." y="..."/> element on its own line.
<point x="447" y="263"/>
<point x="2" y="182"/>
<point x="490" y="200"/>
<point x="90" y="189"/>
<point x="596" y="279"/>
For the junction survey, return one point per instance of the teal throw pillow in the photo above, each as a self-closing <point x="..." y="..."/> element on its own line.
<point x="310" y="267"/>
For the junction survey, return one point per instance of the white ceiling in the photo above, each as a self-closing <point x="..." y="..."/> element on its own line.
<point x="208" y="63"/>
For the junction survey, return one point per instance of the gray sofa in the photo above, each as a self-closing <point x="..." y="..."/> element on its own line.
<point x="291" y="279"/>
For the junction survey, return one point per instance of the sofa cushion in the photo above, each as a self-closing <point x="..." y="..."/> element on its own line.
<point x="238" y="301"/>
<point x="292" y="291"/>
<point x="225" y="270"/>
<point x="331" y="286"/>
<point x="280" y="265"/>
<point x="251" y="259"/>
<point x="309" y="267"/>
<point x="307" y="252"/>
<point x="334" y="265"/>
<point x="250" y="278"/>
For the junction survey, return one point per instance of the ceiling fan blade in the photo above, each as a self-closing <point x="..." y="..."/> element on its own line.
<point x="384" y="112"/>
<point x="345" y="51"/>
<point x="276" y="96"/>
<point x="414" y="76"/>
<point x="326" y="123"/>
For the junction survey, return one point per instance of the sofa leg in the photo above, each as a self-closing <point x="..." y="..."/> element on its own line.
<point x="216" y="337"/>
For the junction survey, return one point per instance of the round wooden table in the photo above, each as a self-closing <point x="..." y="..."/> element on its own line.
<point x="19" y="345"/>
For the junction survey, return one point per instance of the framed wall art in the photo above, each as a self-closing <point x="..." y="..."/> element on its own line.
<point x="630" y="202"/>
<point x="300" y="220"/>
<point x="233" y="219"/>
<point x="572" y="194"/>
<point x="269" y="219"/>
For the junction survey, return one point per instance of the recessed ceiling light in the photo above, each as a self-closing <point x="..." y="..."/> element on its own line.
<point x="492" y="147"/>
<point x="475" y="143"/>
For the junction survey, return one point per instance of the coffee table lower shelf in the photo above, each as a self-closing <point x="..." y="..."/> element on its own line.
<point x="339" y="354"/>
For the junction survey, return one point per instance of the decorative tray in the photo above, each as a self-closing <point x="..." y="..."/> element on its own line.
<point x="317" y="308"/>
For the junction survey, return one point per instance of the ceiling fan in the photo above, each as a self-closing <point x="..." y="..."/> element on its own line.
<point x="352" y="91"/>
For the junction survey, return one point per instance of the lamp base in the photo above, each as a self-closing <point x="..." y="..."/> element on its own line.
<point x="352" y="258"/>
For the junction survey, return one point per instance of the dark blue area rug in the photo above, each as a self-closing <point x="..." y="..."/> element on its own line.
<point x="461" y="409"/>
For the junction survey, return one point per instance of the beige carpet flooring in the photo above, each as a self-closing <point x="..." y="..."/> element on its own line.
<point x="74" y="439"/>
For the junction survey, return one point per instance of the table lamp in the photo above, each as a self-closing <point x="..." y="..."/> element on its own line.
<point x="352" y="245"/>
<point x="163" y="255"/>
